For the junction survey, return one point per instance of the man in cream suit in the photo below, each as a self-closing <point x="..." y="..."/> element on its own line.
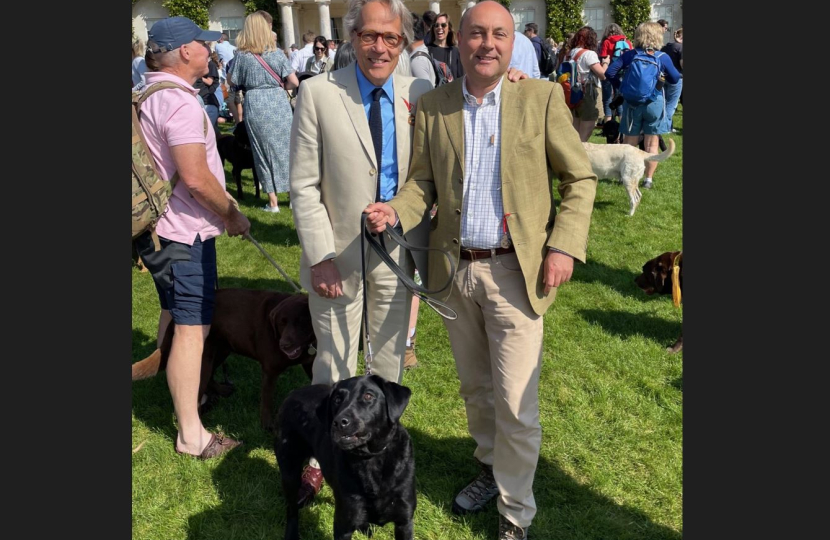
<point x="484" y="151"/>
<point x="334" y="173"/>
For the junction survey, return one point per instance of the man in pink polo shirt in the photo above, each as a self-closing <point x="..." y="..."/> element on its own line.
<point x="184" y="268"/>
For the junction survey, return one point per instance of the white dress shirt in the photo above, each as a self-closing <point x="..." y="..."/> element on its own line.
<point x="483" y="209"/>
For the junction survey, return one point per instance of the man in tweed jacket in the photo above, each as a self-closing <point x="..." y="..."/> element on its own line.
<point x="485" y="151"/>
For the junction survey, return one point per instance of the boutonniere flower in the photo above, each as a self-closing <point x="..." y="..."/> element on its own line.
<point x="411" y="112"/>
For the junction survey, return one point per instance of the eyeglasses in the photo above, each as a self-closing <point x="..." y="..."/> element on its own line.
<point x="442" y="24"/>
<point x="370" y="36"/>
<point x="319" y="49"/>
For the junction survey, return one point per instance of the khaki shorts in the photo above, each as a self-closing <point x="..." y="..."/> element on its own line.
<point x="587" y="108"/>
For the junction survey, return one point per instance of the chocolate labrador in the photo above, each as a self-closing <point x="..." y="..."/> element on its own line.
<point x="657" y="278"/>
<point x="365" y="454"/>
<point x="273" y="328"/>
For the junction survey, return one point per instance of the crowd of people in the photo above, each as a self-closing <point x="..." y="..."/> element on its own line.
<point x="461" y="169"/>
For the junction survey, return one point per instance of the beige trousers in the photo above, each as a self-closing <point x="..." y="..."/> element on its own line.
<point x="497" y="345"/>
<point x="338" y="324"/>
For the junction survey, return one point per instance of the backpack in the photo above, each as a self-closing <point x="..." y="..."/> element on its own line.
<point x="619" y="47"/>
<point x="443" y="75"/>
<point x="150" y="193"/>
<point x="567" y="76"/>
<point x="546" y="62"/>
<point x="640" y="80"/>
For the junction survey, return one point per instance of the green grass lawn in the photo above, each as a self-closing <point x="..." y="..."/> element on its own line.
<point x="611" y="400"/>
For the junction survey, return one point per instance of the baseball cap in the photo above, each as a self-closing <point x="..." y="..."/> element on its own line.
<point x="173" y="32"/>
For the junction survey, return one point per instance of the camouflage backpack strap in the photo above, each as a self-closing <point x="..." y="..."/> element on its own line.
<point x="140" y="98"/>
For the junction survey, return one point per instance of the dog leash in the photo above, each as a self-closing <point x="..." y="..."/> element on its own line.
<point x="417" y="290"/>
<point x="248" y="236"/>
<point x="676" y="292"/>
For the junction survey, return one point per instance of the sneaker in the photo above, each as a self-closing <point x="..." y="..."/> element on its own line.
<point x="477" y="494"/>
<point x="508" y="531"/>
<point x="310" y="484"/>
<point x="647" y="184"/>
<point x="272" y="209"/>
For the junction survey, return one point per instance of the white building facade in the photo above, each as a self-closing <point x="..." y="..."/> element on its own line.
<point x="325" y="17"/>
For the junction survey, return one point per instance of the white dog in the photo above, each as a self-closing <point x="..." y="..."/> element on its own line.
<point x="624" y="162"/>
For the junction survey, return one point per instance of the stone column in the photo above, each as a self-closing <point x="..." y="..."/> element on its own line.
<point x="435" y="6"/>
<point x="465" y="5"/>
<point x="287" y="16"/>
<point x="298" y="33"/>
<point x="325" y="17"/>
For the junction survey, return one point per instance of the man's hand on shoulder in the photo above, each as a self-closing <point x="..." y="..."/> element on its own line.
<point x="515" y="75"/>
<point x="559" y="268"/>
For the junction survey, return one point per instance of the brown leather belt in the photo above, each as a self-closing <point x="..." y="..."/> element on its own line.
<point x="476" y="254"/>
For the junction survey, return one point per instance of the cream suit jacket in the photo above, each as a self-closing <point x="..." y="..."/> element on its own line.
<point x="334" y="173"/>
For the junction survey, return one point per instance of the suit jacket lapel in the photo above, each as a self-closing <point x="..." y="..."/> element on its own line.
<point x="452" y="109"/>
<point x="353" y="103"/>
<point x="512" y="117"/>
<point x="403" y="130"/>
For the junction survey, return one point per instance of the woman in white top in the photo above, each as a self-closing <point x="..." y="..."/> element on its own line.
<point x="589" y="72"/>
<point x="320" y="61"/>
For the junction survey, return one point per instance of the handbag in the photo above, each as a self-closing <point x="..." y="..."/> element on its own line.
<point x="269" y="70"/>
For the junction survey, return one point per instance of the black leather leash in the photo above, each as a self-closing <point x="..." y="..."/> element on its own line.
<point x="420" y="291"/>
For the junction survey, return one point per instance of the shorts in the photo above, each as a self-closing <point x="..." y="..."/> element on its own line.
<point x="239" y="97"/>
<point x="185" y="277"/>
<point x="587" y="108"/>
<point x="646" y="118"/>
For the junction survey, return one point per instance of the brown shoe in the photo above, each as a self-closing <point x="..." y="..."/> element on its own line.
<point x="218" y="445"/>
<point x="310" y="484"/>
<point x="409" y="359"/>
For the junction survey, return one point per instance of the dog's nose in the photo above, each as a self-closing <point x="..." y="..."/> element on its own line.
<point x="344" y="422"/>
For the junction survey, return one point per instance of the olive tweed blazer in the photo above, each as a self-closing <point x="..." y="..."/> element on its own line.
<point x="538" y="141"/>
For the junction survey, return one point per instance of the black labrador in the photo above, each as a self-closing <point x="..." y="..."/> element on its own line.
<point x="237" y="150"/>
<point x="365" y="454"/>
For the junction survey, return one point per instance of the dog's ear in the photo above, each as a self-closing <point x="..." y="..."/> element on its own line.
<point x="662" y="271"/>
<point x="397" y="397"/>
<point x="277" y="322"/>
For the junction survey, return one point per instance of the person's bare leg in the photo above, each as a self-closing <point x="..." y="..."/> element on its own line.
<point x="633" y="140"/>
<point x="184" y="367"/>
<point x="651" y="143"/>
<point x="272" y="199"/>
<point x="585" y="129"/>
<point x="164" y="320"/>
<point x="413" y="315"/>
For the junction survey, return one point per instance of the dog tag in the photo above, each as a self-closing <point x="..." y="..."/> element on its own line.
<point x="505" y="241"/>
<point x="311" y="350"/>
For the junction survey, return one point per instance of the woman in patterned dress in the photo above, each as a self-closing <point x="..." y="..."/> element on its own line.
<point x="267" y="111"/>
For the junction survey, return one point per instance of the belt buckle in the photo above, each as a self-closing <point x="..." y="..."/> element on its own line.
<point x="492" y="253"/>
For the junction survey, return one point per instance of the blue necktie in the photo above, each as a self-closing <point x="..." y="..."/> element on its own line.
<point x="376" y="128"/>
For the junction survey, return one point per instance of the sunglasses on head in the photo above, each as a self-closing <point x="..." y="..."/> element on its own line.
<point x="442" y="24"/>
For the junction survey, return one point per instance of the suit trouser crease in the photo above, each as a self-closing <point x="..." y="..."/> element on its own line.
<point x="338" y="323"/>
<point x="497" y="345"/>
